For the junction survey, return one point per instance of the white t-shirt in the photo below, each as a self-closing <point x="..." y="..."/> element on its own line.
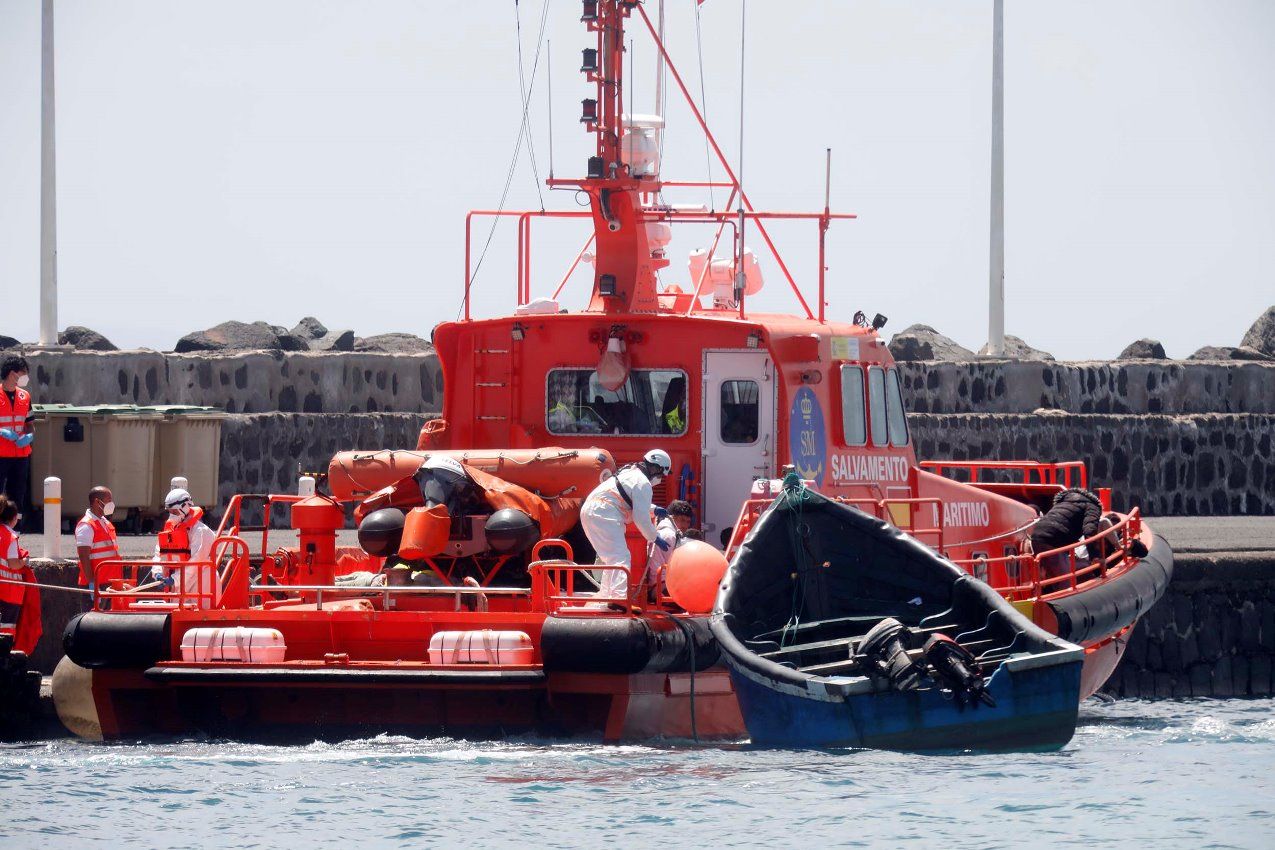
<point x="13" y="549"/>
<point x="84" y="530"/>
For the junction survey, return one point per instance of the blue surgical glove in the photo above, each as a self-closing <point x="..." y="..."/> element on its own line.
<point x="660" y="513"/>
<point x="157" y="574"/>
<point x="661" y="545"/>
<point x="9" y="434"/>
<point x="25" y="440"/>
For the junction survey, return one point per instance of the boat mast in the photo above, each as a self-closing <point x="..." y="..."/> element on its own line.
<point x="624" y="280"/>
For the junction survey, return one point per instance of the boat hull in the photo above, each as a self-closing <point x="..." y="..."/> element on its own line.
<point x="265" y="703"/>
<point x="1035" y="710"/>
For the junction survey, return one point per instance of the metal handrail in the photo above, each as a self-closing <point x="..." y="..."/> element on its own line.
<point x="1126" y="529"/>
<point x="975" y="467"/>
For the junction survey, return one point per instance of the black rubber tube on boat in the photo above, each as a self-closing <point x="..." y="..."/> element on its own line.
<point x="1115" y="604"/>
<point x="98" y="639"/>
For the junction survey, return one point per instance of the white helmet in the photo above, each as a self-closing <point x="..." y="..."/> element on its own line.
<point x="450" y="464"/>
<point x="176" y="497"/>
<point x="659" y="459"/>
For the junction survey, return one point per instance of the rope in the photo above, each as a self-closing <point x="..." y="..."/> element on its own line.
<point x="46" y="586"/>
<point x="526" y="96"/>
<point x="703" y="101"/>
<point x="686" y="630"/>
<point x="513" y="161"/>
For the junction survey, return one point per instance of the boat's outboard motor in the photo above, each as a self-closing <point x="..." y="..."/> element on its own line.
<point x="381" y="532"/>
<point x="510" y="531"/>
<point x="885" y="648"/>
<point x="955" y="668"/>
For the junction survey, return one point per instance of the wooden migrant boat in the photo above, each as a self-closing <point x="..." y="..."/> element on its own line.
<point x="841" y="630"/>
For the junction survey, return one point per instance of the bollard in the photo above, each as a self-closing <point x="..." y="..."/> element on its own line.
<point x="52" y="517"/>
<point x="305" y="486"/>
<point x="179" y="482"/>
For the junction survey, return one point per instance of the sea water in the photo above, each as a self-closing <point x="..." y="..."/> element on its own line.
<point x="1193" y="773"/>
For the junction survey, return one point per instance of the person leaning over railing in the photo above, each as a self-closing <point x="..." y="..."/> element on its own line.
<point x="1074" y="516"/>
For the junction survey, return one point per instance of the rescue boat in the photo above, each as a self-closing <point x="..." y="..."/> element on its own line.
<point x="477" y="617"/>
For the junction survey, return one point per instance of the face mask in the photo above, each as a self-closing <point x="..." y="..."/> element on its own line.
<point x="23" y="380"/>
<point x="656" y="479"/>
<point x="108" y="509"/>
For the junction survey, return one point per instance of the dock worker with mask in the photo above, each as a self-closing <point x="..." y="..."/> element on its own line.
<point x="185" y="539"/>
<point x="671" y="525"/>
<point x="622" y="499"/>
<point x="16" y="435"/>
<point x="95" y="535"/>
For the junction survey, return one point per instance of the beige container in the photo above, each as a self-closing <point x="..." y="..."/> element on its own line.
<point x="111" y="445"/>
<point x="71" y="460"/>
<point x="124" y="457"/>
<point x="189" y="443"/>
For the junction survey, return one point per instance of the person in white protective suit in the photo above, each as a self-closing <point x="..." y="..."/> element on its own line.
<point x="622" y="499"/>
<point x="184" y="542"/>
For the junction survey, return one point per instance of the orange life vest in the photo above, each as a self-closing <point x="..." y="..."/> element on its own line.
<point x="11" y="593"/>
<point x="104" y="546"/>
<point x="174" y="539"/>
<point x="14" y="415"/>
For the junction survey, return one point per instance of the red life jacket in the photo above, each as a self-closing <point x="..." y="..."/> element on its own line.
<point x="174" y="539"/>
<point x="11" y="593"/>
<point x="104" y="548"/>
<point x="14" y="415"/>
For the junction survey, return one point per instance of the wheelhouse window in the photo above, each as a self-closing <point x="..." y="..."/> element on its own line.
<point x="876" y="406"/>
<point x="853" y="425"/>
<point x="894" y="410"/>
<point x="740" y="410"/>
<point x="650" y="402"/>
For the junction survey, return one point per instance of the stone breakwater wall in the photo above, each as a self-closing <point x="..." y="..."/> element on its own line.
<point x="1205" y="464"/>
<point x="1118" y="386"/>
<point x="241" y="382"/>
<point x="1211" y="635"/>
<point x="262" y="452"/>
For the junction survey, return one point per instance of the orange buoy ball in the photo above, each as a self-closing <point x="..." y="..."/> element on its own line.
<point x="694" y="572"/>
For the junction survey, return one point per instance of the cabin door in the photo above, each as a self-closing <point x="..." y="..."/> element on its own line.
<point x="738" y="432"/>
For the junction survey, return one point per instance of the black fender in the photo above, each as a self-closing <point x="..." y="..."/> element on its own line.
<point x="626" y="645"/>
<point x="97" y="639"/>
<point x="1106" y="609"/>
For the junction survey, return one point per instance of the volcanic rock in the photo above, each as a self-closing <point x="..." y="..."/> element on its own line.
<point x="394" y="343"/>
<point x="1262" y="335"/>
<point x="8" y="342"/>
<point x="231" y="336"/>
<point x="288" y="341"/>
<point x="310" y="328"/>
<point x="334" y="341"/>
<point x="922" y="342"/>
<point x="1016" y="349"/>
<point x="1228" y="352"/>
<point x="87" y="339"/>
<point x="1143" y="349"/>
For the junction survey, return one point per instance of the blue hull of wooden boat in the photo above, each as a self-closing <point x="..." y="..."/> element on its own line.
<point x="1035" y="710"/>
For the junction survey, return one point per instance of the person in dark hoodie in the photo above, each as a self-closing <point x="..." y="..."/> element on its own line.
<point x="1074" y="515"/>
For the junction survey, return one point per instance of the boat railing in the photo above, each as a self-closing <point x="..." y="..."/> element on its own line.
<point x="232" y="521"/>
<point x="1033" y="583"/>
<point x="125" y="584"/>
<point x="553" y="589"/>
<point x="315" y="593"/>
<point x="1071" y="473"/>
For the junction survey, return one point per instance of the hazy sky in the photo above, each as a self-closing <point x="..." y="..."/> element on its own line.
<point x="268" y="160"/>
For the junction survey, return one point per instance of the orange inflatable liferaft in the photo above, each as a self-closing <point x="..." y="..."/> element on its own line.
<point x="694" y="571"/>
<point x="549" y="472"/>
<point x="425" y="532"/>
